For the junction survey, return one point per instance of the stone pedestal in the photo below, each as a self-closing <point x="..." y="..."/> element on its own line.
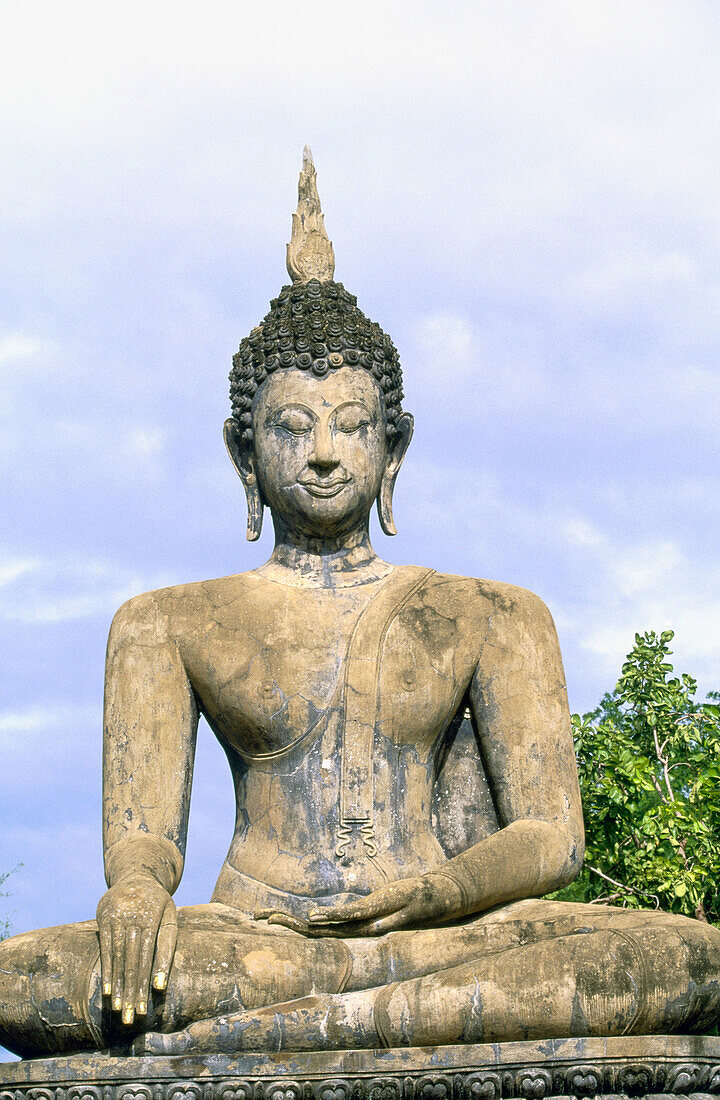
<point x="645" y="1066"/>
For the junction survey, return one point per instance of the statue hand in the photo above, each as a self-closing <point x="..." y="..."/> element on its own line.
<point x="137" y="925"/>
<point x="405" y="903"/>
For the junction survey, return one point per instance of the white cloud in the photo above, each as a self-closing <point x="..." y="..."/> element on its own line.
<point x="42" y="719"/>
<point x="62" y="590"/>
<point x="639" y="570"/>
<point x="648" y="585"/>
<point x="112" y="447"/>
<point x="98" y="446"/>
<point x="14" y="568"/>
<point x="581" y="532"/>
<point x="449" y="342"/>
<point x="453" y="358"/>
<point x="477" y="371"/>
<point x="61" y="879"/>
<point x="622" y="275"/>
<point x="146" y="443"/>
<point x="16" y="345"/>
<point x="52" y="750"/>
<point x="602" y="584"/>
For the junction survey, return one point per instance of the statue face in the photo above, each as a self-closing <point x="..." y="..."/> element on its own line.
<point x="320" y="448"/>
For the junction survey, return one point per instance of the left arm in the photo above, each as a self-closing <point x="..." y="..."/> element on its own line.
<point x="519" y="700"/>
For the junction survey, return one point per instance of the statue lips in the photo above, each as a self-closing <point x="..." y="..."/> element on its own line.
<point x="324" y="488"/>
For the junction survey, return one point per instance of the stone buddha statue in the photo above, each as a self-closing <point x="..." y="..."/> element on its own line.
<point x="400" y="745"/>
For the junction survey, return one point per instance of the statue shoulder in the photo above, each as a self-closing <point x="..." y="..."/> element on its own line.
<point x="176" y="610"/>
<point x="478" y="595"/>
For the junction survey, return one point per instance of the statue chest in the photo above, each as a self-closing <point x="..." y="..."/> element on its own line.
<point x="337" y="711"/>
<point x="400" y="668"/>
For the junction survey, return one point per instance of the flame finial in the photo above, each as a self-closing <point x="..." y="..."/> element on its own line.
<point x="310" y="253"/>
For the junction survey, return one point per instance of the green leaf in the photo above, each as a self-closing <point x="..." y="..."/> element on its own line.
<point x="636" y="834"/>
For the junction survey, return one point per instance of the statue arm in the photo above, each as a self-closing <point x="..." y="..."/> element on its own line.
<point x="150" y="727"/>
<point x="519" y="700"/>
<point x="149" y="744"/>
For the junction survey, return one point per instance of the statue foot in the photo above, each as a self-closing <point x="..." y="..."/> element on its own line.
<point x="219" y="1035"/>
<point x="179" y="1042"/>
<point x="322" y="1022"/>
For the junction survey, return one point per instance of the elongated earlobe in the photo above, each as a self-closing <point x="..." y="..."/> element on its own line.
<point x="254" y="512"/>
<point x="384" y="507"/>
<point x="242" y="458"/>
<point x="385" y="496"/>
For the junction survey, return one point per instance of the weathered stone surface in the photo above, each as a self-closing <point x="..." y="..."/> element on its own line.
<point x="309" y="252"/>
<point x="401" y="749"/>
<point x="656" y="1065"/>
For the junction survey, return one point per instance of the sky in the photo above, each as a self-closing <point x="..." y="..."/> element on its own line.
<point x="523" y="195"/>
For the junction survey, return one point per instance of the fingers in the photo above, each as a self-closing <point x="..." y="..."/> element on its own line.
<point x="356" y="910"/>
<point x="391" y="923"/>
<point x="118" y="964"/>
<point x="165" y="947"/>
<point x="132" y="958"/>
<point x="264" y="914"/>
<point x="376" y="904"/>
<point x="385" y="910"/>
<point x="402" y="918"/>
<point x="129" y="956"/>
<point x="106" y="956"/>
<point x="319" y="927"/>
<point x="147" y="949"/>
<point x="338" y="930"/>
<point x="285" y="920"/>
<point x="137" y="929"/>
<point x="349" y="919"/>
<point x="357" y="928"/>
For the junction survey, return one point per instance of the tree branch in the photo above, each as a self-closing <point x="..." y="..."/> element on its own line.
<point x="663" y="761"/>
<point x="629" y="889"/>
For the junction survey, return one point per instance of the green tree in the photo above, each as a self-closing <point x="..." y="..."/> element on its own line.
<point x="5" y="926"/>
<point x="649" y="764"/>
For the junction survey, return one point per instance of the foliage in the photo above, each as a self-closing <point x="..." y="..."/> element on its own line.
<point x="649" y="764"/>
<point x="5" y="926"/>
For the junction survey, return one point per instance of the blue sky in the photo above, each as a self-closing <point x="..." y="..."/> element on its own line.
<point x="523" y="195"/>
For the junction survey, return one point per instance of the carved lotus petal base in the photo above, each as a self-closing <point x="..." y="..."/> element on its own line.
<point x="639" y="1066"/>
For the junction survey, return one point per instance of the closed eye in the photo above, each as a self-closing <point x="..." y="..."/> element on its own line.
<point x="355" y="426"/>
<point x="353" y="416"/>
<point x="293" y="422"/>
<point x="293" y="429"/>
<point x="352" y="419"/>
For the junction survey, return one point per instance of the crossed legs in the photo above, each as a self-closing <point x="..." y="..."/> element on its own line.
<point x="532" y="969"/>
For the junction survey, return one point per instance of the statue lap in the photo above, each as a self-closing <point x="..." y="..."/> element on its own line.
<point x="544" y="967"/>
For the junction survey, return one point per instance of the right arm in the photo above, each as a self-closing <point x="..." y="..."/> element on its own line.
<point x="149" y="744"/>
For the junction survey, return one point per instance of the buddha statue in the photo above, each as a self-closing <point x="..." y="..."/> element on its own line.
<point x="401" y="749"/>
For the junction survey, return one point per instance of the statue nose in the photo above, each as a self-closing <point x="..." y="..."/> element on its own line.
<point x="323" y="455"/>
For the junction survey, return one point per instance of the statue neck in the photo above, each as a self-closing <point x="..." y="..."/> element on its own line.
<point x="326" y="562"/>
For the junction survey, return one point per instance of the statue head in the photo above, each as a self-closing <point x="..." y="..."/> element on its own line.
<point x="317" y="430"/>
